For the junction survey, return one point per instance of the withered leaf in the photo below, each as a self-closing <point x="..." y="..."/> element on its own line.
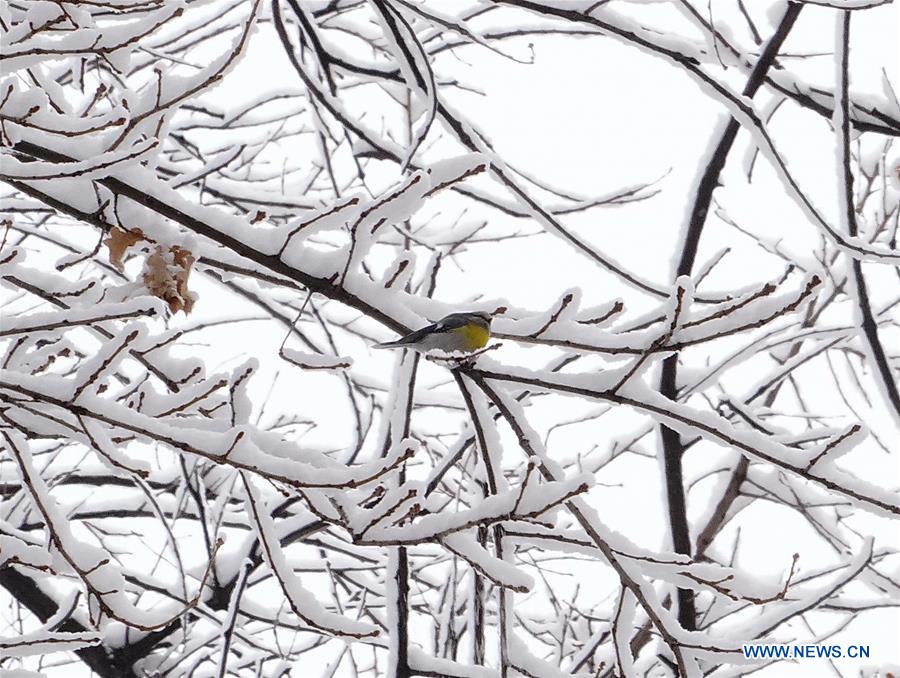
<point x="166" y="274"/>
<point x="118" y="241"/>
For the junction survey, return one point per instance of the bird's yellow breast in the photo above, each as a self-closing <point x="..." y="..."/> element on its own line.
<point x="476" y="336"/>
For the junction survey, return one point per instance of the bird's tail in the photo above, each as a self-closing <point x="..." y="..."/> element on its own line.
<point x="392" y="344"/>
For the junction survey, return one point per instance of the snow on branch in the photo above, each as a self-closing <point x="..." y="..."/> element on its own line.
<point x="213" y="211"/>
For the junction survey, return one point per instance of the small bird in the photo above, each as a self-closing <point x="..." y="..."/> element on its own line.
<point x="466" y="332"/>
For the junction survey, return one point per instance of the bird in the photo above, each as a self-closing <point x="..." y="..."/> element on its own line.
<point x="457" y="332"/>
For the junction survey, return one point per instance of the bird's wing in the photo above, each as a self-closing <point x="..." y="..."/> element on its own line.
<point x="418" y="335"/>
<point x="452" y="321"/>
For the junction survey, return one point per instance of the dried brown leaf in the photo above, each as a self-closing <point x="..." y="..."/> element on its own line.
<point x="118" y="241"/>
<point x="166" y="274"/>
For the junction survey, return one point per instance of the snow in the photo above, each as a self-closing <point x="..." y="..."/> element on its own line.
<point x="533" y="502"/>
<point x="44" y="642"/>
<point x="54" y="320"/>
<point x="622" y="630"/>
<point x="302" y="601"/>
<point x="14" y="549"/>
<point x="103" y="578"/>
<point x="498" y="571"/>
<point x="289" y="192"/>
